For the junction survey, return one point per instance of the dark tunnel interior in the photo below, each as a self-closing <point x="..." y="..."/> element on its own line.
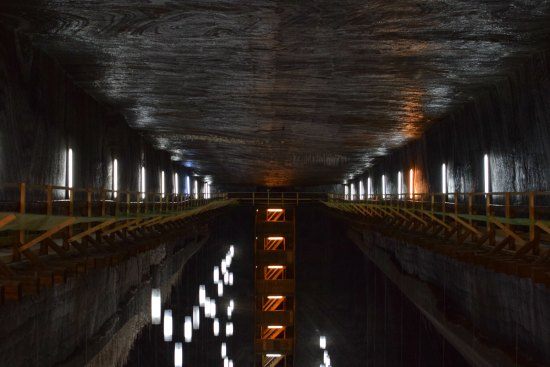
<point x="353" y="183"/>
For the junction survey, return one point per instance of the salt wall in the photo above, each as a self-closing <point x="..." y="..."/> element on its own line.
<point x="91" y="320"/>
<point x="509" y="121"/>
<point x="43" y="112"/>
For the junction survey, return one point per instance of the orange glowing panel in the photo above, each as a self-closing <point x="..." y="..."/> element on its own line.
<point x="275" y="215"/>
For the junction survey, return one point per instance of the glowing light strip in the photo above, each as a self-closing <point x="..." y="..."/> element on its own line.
<point x="486" y="178"/>
<point x="162" y="184"/>
<point x="142" y="188"/>
<point x="399" y="184"/>
<point x="275" y="210"/>
<point x="176" y="184"/>
<point x="369" y="187"/>
<point x="411" y="183"/>
<point x="275" y="267"/>
<point x="275" y="297"/>
<point x="70" y="168"/>
<point x="115" y="177"/>
<point x="444" y="178"/>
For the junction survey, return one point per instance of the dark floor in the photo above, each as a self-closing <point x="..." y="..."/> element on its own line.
<point x="339" y="294"/>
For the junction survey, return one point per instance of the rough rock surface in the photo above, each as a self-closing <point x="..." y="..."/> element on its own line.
<point x="93" y="319"/>
<point x="283" y="92"/>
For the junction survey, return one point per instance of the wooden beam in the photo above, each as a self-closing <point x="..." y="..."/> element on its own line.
<point x="121" y="226"/>
<point x="508" y="231"/>
<point x="7" y="220"/>
<point x="89" y="231"/>
<point x="67" y="222"/>
<point x="466" y="225"/>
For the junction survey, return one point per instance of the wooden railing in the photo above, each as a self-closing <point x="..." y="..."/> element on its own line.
<point x="515" y="223"/>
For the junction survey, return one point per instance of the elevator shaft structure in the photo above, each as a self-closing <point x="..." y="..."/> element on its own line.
<point x="274" y="286"/>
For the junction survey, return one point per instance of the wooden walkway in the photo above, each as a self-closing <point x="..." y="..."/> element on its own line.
<point x="507" y="232"/>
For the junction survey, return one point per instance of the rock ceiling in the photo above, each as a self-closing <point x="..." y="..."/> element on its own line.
<point x="283" y="93"/>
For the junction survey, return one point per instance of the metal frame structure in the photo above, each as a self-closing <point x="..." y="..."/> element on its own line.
<point x="274" y="285"/>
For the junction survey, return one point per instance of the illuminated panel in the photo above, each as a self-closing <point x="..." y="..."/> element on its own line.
<point x="399" y="184"/>
<point x="275" y="215"/>
<point x="486" y="174"/>
<point x="444" y="178"/>
<point x="142" y="182"/>
<point x="273" y="243"/>
<point x="162" y="184"/>
<point x="411" y="183"/>
<point x="115" y="178"/>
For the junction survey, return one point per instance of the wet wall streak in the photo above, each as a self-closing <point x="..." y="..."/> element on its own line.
<point x="367" y="320"/>
<point x="150" y="349"/>
<point x="510" y="121"/>
<point x="43" y="112"/>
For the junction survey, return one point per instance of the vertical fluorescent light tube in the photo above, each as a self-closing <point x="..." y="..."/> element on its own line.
<point x="346" y="192"/>
<point x="444" y="178"/>
<point x="399" y="184"/>
<point x="207" y="311"/>
<point x="115" y="178"/>
<point x="384" y="186"/>
<point x="187" y="185"/>
<point x="323" y="342"/>
<point x="226" y="362"/>
<point x="178" y="355"/>
<point x="229" y="312"/>
<point x="69" y="168"/>
<point x="224" y="350"/>
<point x="230" y="363"/>
<point x="220" y="289"/>
<point x="196" y="317"/>
<point x="202" y="295"/>
<point x="168" y="325"/>
<point x="352" y="190"/>
<point x="486" y="178"/>
<point x="142" y="188"/>
<point x="212" y="308"/>
<point x="216" y="327"/>
<point x="162" y="184"/>
<point x="188" y="329"/>
<point x="369" y="187"/>
<point x="155" y="306"/>
<point x="361" y="190"/>
<point x="228" y="329"/>
<point x="216" y="274"/>
<point x="231" y="278"/>
<point x="176" y="184"/>
<point x="196" y="190"/>
<point x="411" y="183"/>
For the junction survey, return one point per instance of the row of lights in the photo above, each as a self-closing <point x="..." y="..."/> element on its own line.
<point x="350" y="191"/>
<point x="142" y="180"/>
<point x="326" y="356"/>
<point x="222" y="276"/>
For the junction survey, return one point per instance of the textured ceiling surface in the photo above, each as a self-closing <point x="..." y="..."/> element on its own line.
<point x="283" y="93"/>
